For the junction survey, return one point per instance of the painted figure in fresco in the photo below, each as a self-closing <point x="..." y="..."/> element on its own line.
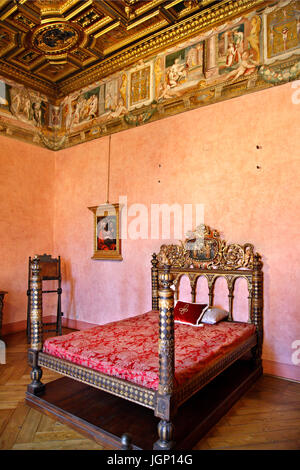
<point x="37" y="113"/>
<point x="158" y="72"/>
<point x="26" y="107"/>
<point x="68" y="109"/>
<point x="93" y="106"/>
<point x="78" y="108"/>
<point x="165" y="91"/>
<point x="194" y="56"/>
<point x="123" y="88"/>
<point x="253" y="37"/>
<point x="231" y="56"/>
<point x="54" y="120"/>
<point x="176" y="73"/>
<point x="246" y="67"/>
<point x="238" y="37"/>
<point x="285" y="33"/>
<point x="110" y="95"/>
<point x="15" y="99"/>
<point x="119" y="111"/>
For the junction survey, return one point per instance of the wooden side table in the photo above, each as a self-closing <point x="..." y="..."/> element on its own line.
<point x="2" y="294"/>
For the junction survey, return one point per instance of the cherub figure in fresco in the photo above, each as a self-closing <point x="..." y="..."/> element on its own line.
<point x="246" y="67"/>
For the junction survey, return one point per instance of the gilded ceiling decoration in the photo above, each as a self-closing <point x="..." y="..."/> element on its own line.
<point x="57" y="46"/>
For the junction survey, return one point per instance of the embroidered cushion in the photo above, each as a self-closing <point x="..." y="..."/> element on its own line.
<point x="189" y="313"/>
<point x="213" y="315"/>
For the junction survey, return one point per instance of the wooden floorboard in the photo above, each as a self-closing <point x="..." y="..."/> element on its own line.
<point x="267" y="417"/>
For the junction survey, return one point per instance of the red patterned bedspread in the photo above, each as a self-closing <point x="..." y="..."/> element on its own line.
<point x="128" y="349"/>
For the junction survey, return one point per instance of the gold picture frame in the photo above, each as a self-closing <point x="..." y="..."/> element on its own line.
<point x="106" y="239"/>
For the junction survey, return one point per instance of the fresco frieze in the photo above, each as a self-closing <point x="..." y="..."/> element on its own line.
<point x="249" y="53"/>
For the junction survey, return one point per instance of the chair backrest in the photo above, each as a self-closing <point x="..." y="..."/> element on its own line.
<point x="50" y="267"/>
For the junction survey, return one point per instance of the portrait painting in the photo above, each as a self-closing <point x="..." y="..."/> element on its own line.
<point x="107" y="243"/>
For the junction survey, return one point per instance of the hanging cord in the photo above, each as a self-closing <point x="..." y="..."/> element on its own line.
<point x="108" y="170"/>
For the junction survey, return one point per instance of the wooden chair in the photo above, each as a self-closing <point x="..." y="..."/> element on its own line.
<point x="50" y="271"/>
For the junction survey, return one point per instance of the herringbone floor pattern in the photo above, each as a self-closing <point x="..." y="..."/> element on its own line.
<point x="267" y="416"/>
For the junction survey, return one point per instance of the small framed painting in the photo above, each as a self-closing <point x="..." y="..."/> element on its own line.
<point x="107" y="242"/>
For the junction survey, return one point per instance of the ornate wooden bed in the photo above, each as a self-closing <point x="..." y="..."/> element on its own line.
<point x="203" y="253"/>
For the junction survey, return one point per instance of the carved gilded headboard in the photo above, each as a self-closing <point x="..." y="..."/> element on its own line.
<point x="205" y="253"/>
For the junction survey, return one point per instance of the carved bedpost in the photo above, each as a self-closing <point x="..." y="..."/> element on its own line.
<point x="154" y="276"/>
<point x="166" y="361"/>
<point x="257" y="306"/>
<point x="36" y="327"/>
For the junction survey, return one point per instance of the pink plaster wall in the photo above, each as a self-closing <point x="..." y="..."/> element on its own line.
<point x="207" y="156"/>
<point x="26" y="219"/>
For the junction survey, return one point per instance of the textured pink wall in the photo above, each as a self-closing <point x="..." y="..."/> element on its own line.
<point x="207" y="156"/>
<point x="26" y="220"/>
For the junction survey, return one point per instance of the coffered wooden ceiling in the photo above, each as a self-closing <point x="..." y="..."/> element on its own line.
<point x="59" y="46"/>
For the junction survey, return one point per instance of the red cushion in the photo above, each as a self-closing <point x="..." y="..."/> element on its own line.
<point x="185" y="312"/>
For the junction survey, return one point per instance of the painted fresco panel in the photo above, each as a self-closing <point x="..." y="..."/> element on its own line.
<point x="250" y="52"/>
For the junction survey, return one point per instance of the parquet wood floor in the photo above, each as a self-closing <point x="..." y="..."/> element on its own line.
<point x="266" y="417"/>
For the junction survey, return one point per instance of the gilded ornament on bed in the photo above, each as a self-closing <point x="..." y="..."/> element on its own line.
<point x="203" y="248"/>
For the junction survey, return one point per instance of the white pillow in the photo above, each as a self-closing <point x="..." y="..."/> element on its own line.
<point x="213" y="315"/>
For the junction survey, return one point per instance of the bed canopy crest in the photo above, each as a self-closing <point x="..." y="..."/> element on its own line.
<point x="203" y="248"/>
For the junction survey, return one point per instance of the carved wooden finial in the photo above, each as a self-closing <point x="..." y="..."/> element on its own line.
<point x="257" y="262"/>
<point x="154" y="260"/>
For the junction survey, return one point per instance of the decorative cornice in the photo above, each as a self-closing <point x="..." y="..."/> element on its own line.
<point x="25" y="78"/>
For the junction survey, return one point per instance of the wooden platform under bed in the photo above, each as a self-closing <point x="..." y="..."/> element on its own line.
<point x="105" y="418"/>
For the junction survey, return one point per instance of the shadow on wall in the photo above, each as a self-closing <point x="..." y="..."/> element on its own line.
<point x="68" y="303"/>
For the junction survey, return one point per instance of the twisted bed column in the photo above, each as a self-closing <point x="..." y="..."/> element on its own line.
<point x="36" y="327"/>
<point x="164" y="406"/>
